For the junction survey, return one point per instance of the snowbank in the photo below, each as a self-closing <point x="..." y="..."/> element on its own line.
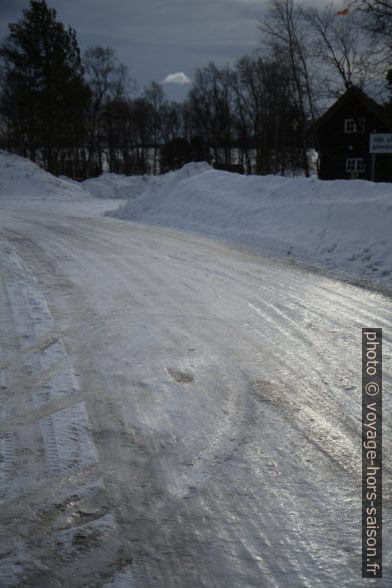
<point x="110" y="185"/>
<point x="341" y="225"/>
<point x="115" y="186"/>
<point x="22" y="179"/>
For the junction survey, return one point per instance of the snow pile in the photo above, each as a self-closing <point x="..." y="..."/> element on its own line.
<point x="130" y="187"/>
<point x="22" y="179"/>
<point x="115" y="186"/>
<point x="342" y="225"/>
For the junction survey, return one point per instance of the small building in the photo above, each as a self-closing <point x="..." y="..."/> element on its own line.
<point x="343" y="135"/>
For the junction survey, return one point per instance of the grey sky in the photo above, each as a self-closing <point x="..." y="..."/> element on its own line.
<point x="155" y="38"/>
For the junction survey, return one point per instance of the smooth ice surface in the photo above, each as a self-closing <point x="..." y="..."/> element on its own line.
<point x="175" y="411"/>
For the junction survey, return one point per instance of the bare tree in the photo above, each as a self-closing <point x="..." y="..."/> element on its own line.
<point x="172" y="121"/>
<point x="244" y="127"/>
<point x="377" y="17"/>
<point x="250" y="104"/>
<point x="284" y="35"/>
<point x="377" y="22"/>
<point x="108" y="80"/>
<point x="155" y="95"/>
<point x="210" y="108"/>
<point x="345" y="52"/>
<point x="267" y="114"/>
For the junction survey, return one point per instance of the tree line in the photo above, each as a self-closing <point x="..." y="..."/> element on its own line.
<point x="71" y="113"/>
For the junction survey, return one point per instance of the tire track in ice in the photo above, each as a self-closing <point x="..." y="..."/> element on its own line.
<point x="45" y="434"/>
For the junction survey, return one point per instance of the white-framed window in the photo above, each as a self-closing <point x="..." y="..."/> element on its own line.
<point x="354" y="125"/>
<point x="355" y="164"/>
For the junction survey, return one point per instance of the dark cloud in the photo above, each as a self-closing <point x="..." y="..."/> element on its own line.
<point x="155" y="38"/>
<point x="10" y="11"/>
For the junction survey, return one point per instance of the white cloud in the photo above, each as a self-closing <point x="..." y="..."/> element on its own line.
<point x="177" y="78"/>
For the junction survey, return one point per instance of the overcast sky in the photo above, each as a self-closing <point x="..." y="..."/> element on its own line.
<point x="157" y="38"/>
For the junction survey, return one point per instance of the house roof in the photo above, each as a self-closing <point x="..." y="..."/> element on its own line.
<point x="354" y="93"/>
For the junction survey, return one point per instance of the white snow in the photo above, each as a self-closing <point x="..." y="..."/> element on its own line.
<point x="341" y="225"/>
<point x="116" y="186"/>
<point x="21" y="179"/>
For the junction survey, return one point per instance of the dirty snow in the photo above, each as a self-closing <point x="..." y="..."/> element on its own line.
<point x="177" y="412"/>
<point x="45" y="433"/>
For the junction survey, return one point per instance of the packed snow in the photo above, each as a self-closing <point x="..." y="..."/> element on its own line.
<point x="116" y="186"/>
<point x="21" y="179"/>
<point x="341" y="225"/>
<point x="176" y="412"/>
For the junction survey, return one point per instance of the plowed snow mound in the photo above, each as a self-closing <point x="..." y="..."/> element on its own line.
<point x="116" y="186"/>
<point x="22" y="179"/>
<point x="110" y="185"/>
<point x="342" y="225"/>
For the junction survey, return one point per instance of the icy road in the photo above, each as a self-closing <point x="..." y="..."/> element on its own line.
<point x="176" y="412"/>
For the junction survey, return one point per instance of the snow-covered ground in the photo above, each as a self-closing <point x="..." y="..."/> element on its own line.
<point x="343" y="226"/>
<point x="339" y="226"/>
<point x="116" y="186"/>
<point x="175" y="411"/>
<point x="21" y="179"/>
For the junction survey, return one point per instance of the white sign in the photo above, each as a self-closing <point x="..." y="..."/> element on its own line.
<point x="380" y="143"/>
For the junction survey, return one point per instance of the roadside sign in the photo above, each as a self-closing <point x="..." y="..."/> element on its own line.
<point x="380" y="143"/>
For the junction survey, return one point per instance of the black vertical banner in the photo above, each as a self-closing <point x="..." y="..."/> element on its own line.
<point x="372" y="453"/>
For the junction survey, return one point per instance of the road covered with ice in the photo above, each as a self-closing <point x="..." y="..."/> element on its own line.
<point x="176" y="411"/>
